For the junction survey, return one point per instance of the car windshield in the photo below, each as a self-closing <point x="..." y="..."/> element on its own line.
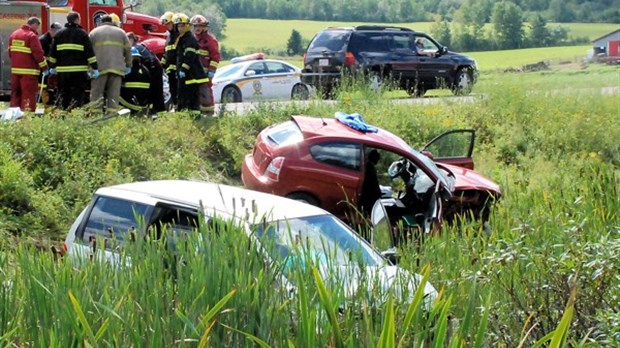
<point x="447" y="182"/>
<point x="329" y="40"/>
<point x="227" y="71"/>
<point x="324" y="236"/>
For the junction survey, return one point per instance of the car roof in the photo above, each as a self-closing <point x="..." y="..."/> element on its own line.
<point x="325" y="127"/>
<point x="212" y="196"/>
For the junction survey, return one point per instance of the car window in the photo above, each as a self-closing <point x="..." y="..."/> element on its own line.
<point x="324" y="235"/>
<point x="285" y="133"/>
<point x="173" y="219"/>
<point x="113" y="218"/>
<point x="369" y="42"/>
<point x="259" y="68"/>
<point x="402" y="41"/>
<point x="344" y="155"/>
<point x="425" y="44"/>
<point x="330" y="40"/>
<point x="278" y="68"/>
<point x="227" y="71"/>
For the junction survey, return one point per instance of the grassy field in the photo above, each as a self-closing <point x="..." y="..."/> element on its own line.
<point x="546" y="275"/>
<point x="251" y="35"/>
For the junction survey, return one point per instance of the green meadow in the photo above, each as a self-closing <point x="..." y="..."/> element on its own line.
<point x="252" y="35"/>
<point x="546" y="275"/>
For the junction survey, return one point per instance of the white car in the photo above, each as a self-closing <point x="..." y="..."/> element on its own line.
<point x="117" y="210"/>
<point x="250" y="79"/>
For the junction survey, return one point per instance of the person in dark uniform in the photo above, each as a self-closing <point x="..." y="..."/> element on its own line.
<point x="50" y="82"/>
<point x="71" y="55"/>
<point x="152" y="63"/>
<point x="136" y="87"/>
<point x="169" y="59"/>
<point x="371" y="191"/>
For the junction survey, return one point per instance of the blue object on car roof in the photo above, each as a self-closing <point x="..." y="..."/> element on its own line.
<point x="355" y="121"/>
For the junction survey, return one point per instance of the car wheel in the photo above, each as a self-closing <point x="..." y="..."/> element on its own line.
<point x="376" y="81"/>
<point x="300" y="92"/>
<point x="231" y="94"/>
<point x="463" y="83"/>
<point x="303" y="197"/>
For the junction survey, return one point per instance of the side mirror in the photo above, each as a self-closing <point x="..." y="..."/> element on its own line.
<point x="391" y="255"/>
<point x="381" y="235"/>
<point x="443" y="50"/>
<point x="250" y="73"/>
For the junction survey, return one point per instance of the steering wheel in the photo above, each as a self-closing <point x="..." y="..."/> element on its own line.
<point x="397" y="168"/>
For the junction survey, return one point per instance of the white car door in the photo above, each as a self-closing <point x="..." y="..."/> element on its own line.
<point x="255" y="86"/>
<point x="281" y="79"/>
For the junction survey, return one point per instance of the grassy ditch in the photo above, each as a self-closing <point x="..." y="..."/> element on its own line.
<point x="547" y="272"/>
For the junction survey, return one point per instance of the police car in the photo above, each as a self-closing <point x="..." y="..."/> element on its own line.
<point x="255" y="78"/>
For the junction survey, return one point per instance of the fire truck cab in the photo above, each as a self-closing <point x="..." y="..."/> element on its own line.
<point x="14" y="13"/>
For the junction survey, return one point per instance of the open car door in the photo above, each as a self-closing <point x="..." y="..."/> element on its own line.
<point x="453" y="147"/>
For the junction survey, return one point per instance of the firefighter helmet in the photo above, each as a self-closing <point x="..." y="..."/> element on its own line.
<point x="115" y="19"/>
<point x="199" y="20"/>
<point x="181" y="18"/>
<point x="166" y="17"/>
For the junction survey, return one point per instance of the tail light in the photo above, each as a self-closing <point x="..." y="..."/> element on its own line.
<point x="273" y="169"/>
<point x="349" y="59"/>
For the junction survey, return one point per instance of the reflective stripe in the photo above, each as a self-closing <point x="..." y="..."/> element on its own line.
<point x="110" y="43"/>
<point x="171" y="68"/>
<point x="113" y="71"/>
<point x="72" y="68"/>
<point x="214" y="64"/>
<point x="92" y="60"/>
<point x="197" y="81"/>
<point x="17" y="42"/>
<point x="43" y="64"/>
<point x="170" y="48"/>
<point x="185" y="66"/>
<point x="203" y="52"/>
<point x="24" y="71"/>
<point x="144" y="85"/>
<point x="70" y="47"/>
<point x="42" y="85"/>
<point x="20" y="49"/>
<point x="129" y="105"/>
<point x="52" y="59"/>
<point x="189" y="49"/>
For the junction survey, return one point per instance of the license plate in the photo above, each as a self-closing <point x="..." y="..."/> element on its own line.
<point x="323" y="62"/>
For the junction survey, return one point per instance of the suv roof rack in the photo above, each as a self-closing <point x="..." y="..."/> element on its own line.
<point x="381" y="27"/>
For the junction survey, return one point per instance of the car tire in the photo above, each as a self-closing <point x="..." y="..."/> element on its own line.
<point x="300" y="92"/>
<point x="231" y="94"/>
<point x="463" y="83"/>
<point x="375" y="81"/>
<point x="304" y="197"/>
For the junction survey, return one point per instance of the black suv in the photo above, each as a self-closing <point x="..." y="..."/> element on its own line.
<point x="413" y="60"/>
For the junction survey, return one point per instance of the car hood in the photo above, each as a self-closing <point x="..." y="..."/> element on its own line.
<point x="467" y="179"/>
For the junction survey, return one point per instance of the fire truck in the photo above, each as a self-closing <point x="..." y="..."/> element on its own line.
<point x="14" y="14"/>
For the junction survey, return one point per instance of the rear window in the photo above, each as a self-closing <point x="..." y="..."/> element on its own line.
<point x="113" y="218"/>
<point x="330" y="40"/>
<point x="284" y="133"/>
<point x="369" y="42"/>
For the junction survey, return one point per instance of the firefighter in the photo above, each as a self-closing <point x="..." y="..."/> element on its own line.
<point x="150" y="60"/>
<point x="71" y="54"/>
<point x="48" y="90"/>
<point x="113" y="52"/>
<point x="135" y="91"/>
<point x="27" y="62"/>
<point x="190" y="72"/>
<point x="209" y="53"/>
<point x="169" y="59"/>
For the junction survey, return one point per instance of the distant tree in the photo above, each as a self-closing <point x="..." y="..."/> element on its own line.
<point x="440" y="30"/>
<point x="561" y="11"/>
<point x="539" y="35"/>
<point x="507" y="19"/>
<point x="293" y="45"/>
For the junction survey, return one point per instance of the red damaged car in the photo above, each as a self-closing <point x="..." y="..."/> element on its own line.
<point x="324" y="161"/>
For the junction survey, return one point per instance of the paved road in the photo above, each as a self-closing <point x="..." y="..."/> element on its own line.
<point x="242" y="108"/>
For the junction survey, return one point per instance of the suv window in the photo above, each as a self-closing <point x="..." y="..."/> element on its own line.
<point x="113" y="217"/>
<point x="344" y="155"/>
<point x="369" y="42"/>
<point x="331" y="40"/>
<point x="284" y="133"/>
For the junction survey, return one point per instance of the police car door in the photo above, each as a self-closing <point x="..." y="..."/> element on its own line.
<point x="255" y="86"/>
<point x="280" y="80"/>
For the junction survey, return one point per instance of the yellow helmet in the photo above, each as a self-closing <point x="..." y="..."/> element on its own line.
<point x="167" y="17"/>
<point x="181" y="18"/>
<point x="115" y="19"/>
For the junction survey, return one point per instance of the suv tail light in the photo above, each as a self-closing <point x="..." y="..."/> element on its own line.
<point x="273" y="169"/>
<point x="349" y="59"/>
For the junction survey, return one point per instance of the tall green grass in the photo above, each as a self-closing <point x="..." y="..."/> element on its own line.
<point x="547" y="273"/>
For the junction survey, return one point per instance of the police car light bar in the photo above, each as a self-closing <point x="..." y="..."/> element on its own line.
<point x="247" y="57"/>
